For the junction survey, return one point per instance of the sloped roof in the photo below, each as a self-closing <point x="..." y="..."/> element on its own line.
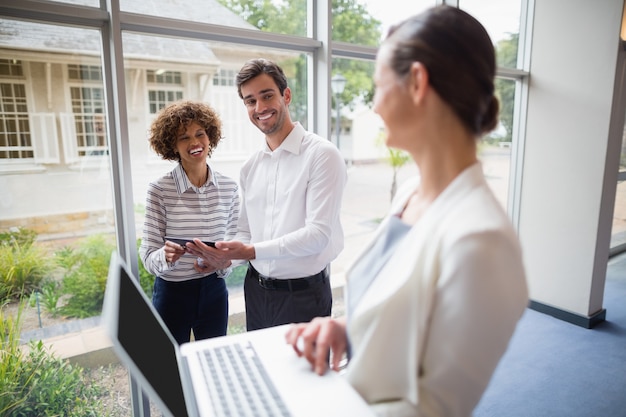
<point x="30" y="36"/>
<point x="205" y="11"/>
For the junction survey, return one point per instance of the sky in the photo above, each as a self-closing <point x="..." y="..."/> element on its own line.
<point x="499" y="17"/>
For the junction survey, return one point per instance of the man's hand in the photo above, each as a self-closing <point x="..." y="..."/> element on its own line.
<point x="236" y="250"/>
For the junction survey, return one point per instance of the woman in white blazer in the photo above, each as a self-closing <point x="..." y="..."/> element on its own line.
<point x="434" y="298"/>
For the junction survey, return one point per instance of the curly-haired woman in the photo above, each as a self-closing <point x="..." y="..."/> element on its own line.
<point x="191" y="201"/>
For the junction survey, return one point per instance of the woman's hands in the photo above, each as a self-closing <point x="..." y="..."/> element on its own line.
<point x="223" y="252"/>
<point x="316" y="340"/>
<point x="173" y="251"/>
<point x="201" y="265"/>
<point x="206" y="261"/>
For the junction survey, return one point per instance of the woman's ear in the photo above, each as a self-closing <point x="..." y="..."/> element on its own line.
<point x="418" y="81"/>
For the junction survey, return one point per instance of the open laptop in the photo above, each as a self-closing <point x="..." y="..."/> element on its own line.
<point x="250" y="374"/>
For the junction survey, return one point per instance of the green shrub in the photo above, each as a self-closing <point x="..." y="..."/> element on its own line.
<point x="20" y="236"/>
<point x="38" y="384"/>
<point x="23" y="266"/>
<point x="237" y="276"/>
<point x="48" y="296"/>
<point x="66" y="257"/>
<point x="235" y="329"/>
<point x="85" y="282"/>
<point x="146" y="279"/>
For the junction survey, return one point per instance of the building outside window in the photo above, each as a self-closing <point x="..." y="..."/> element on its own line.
<point x="165" y="87"/>
<point x="15" y="134"/>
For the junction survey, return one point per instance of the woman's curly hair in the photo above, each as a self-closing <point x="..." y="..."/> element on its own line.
<point x="179" y="115"/>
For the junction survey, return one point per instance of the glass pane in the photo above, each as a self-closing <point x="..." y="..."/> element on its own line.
<point x="376" y="171"/>
<point x="56" y="204"/>
<point x="501" y="18"/>
<point x="57" y="226"/>
<point x="356" y="129"/>
<point x="92" y="3"/>
<point x="373" y="174"/>
<point x="286" y="17"/>
<point x="618" y="234"/>
<point x="366" y="22"/>
<point x="494" y="150"/>
<point x="200" y="71"/>
<point x="496" y="162"/>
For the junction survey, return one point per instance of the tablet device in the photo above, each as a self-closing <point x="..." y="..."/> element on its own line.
<point x="183" y="241"/>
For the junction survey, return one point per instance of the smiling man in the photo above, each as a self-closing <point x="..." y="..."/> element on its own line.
<point x="289" y="227"/>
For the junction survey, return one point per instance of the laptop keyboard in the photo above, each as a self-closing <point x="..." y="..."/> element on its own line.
<point x="239" y="385"/>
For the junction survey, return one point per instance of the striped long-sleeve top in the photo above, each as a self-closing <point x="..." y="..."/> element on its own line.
<point x="175" y="207"/>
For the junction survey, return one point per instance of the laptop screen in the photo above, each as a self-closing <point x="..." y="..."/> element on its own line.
<point x="147" y="343"/>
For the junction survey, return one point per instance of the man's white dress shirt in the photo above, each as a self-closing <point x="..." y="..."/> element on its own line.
<point x="291" y="201"/>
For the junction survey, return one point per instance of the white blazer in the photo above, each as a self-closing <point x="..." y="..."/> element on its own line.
<point x="427" y="335"/>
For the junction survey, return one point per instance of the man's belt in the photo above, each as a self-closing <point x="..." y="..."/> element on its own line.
<point x="290" y="284"/>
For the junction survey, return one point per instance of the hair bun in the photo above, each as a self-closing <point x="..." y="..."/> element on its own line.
<point x="490" y="116"/>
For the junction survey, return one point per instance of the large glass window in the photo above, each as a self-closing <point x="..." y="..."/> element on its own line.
<point x="618" y="234"/>
<point x="56" y="209"/>
<point x="373" y="17"/>
<point x="355" y="128"/>
<point x="201" y="71"/>
<point x="57" y="220"/>
<point x="502" y="21"/>
<point x="92" y="3"/>
<point x="501" y="18"/>
<point x="495" y="148"/>
<point x="286" y="17"/>
<point x="374" y="170"/>
<point x="55" y="170"/>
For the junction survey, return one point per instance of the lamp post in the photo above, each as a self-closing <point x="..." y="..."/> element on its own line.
<point x="337" y="85"/>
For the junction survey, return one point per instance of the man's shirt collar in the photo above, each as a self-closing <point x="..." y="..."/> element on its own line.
<point x="293" y="141"/>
